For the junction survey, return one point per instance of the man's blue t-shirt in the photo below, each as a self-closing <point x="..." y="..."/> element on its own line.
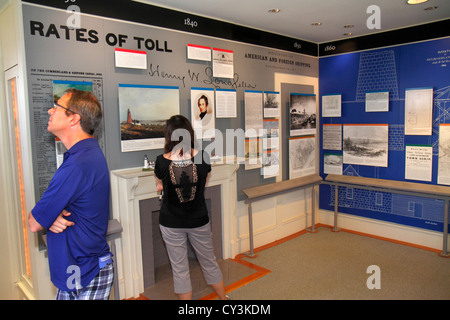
<point x="81" y="186"/>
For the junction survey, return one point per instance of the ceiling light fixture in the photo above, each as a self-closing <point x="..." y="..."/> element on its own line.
<point x="274" y="10"/>
<point x="416" y="1"/>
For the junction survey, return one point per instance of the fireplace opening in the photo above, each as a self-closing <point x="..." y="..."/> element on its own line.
<point x="154" y="253"/>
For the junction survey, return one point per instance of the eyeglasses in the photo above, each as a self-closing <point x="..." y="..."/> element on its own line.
<point x="57" y="105"/>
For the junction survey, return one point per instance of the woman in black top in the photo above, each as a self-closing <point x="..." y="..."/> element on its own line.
<point x="181" y="173"/>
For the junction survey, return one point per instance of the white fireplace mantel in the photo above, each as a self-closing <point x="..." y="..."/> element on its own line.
<point x="128" y="187"/>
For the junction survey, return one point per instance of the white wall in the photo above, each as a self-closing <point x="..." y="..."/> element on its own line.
<point x="382" y="229"/>
<point x="7" y="267"/>
<point x="279" y="216"/>
<point x="273" y="218"/>
<point x="13" y="285"/>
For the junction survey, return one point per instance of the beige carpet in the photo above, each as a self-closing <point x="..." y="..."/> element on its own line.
<point x="333" y="265"/>
<point x="235" y="274"/>
<point x="322" y="266"/>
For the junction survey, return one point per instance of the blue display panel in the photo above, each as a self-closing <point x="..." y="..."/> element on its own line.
<point x="393" y="69"/>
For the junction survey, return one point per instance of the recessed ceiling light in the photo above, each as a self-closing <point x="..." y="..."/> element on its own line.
<point x="416" y="1"/>
<point x="274" y="10"/>
<point x="349" y="26"/>
<point x="316" y="24"/>
<point x="430" y="8"/>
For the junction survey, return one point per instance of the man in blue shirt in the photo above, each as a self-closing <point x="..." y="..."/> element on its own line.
<point x="75" y="206"/>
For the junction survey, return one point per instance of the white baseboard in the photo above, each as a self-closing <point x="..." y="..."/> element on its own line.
<point x="392" y="231"/>
<point x="270" y="227"/>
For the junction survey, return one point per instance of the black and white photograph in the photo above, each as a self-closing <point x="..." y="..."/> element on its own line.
<point x="332" y="163"/>
<point x="302" y="114"/>
<point x="271" y="104"/>
<point x="202" y="112"/>
<point x="366" y="144"/>
<point x="302" y="156"/>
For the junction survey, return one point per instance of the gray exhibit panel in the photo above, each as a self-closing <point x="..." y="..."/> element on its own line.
<point x="87" y="54"/>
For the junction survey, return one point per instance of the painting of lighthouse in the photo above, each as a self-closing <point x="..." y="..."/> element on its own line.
<point x="144" y="111"/>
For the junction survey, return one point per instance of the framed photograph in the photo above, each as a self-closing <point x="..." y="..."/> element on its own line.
<point x="366" y="144"/>
<point x="144" y="111"/>
<point x="271" y="104"/>
<point x="203" y="112"/>
<point x="302" y="114"/>
<point x="302" y="156"/>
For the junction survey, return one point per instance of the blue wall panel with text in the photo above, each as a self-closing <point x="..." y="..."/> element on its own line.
<point x="393" y="69"/>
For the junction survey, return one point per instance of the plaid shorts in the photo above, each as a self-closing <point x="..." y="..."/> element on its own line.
<point x="98" y="289"/>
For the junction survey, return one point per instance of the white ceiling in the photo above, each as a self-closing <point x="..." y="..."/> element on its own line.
<point x="296" y="16"/>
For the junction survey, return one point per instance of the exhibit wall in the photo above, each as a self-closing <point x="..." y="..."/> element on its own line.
<point x="385" y="115"/>
<point x="127" y="64"/>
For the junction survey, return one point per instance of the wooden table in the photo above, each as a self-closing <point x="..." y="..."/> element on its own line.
<point x="393" y="186"/>
<point x="277" y="188"/>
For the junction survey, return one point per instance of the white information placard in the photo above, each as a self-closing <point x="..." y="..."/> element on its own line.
<point x="377" y="101"/>
<point x="444" y="154"/>
<point x="226" y="103"/>
<point x="418" y="162"/>
<point x="332" y="136"/>
<point x="253" y="113"/>
<point x="331" y="105"/>
<point x="223" y="63"/>
<point x="133" y="59"/>
<point x="418" y="111"/>
<point x="197" y="52"/>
